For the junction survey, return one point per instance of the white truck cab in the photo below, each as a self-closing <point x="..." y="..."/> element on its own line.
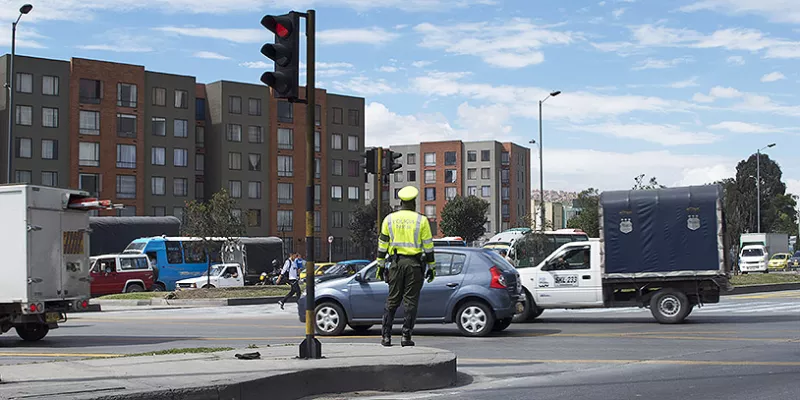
<point x="221" y="276"/>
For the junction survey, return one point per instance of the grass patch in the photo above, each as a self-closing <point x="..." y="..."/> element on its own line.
<point x="231" y="293"/>
<point x="134" y="296"/>
<point x="761" y="279"/>
<point x="189" y="350"/>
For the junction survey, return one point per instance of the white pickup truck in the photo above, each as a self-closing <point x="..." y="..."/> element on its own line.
<point x="658" y="249"/>
<point x="221" y="276"/>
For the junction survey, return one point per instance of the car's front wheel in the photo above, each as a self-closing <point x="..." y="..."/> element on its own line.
<point x="475" y="319"/>
<point x="329" y="319"/>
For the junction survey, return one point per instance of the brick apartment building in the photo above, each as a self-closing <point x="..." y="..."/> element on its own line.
<point x="496" y="172"/>
<point x="153" y="141"/>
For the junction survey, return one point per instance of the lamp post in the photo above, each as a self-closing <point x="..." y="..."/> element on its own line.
<point x="758" y="183"/>
<point x="541" y="163"/>
<point x="11" y="77"/>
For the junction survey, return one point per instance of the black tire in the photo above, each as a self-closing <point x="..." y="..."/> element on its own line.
<point x="670" y="306"/>
<point x="475" y="319"/>
<point x="32" y="332"/>
<point x="159" y="287"/>
<point x="329" y="319"/>
<point x="501" y="324"/>
<point x="529" y="313"/>
<point x="361" y="329"/>
<point x="134" y="288"/>
<point x="208" y="286"/>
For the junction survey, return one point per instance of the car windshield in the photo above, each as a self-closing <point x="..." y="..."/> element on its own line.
<point x="779" y="256"/>
<point x="752" y="253"/>
<point x="135" y="247"/>
<point x="797" y="254"/>
<point x="215" y="270"/>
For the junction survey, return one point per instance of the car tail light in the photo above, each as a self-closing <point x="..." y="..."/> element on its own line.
<point x="84" y="304"/>
<point x="498" y="280"/>
<point x="32" y="308"/>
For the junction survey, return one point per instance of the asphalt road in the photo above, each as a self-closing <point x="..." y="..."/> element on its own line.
<point x="747" y="347"/>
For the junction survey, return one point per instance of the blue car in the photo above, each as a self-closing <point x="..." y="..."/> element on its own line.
<point x="474" y="288"/>
<point x="793" y="262"/>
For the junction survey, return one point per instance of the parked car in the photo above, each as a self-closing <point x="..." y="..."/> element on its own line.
<point x="778" y="261"/>
<point x="319" y="269"/>
<point x="341" y="270"/>
<point x="222" y="275"/>
<point x="474" y="288"/>
<point x="794" y="262"/>
<point x="121" y="273"/>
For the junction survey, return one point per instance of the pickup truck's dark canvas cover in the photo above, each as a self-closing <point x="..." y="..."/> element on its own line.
<point x="260" y="253"/>
<point x="113" y="234"/>
<point x="674" y="231"/>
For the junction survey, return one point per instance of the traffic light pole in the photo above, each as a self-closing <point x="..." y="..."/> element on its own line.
<point x="379" y="189"/>
<point x="310" y="348"/>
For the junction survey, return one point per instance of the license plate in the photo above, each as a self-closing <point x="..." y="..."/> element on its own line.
<point x="52" y="318"/>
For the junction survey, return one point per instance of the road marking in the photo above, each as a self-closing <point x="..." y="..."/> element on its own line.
<point x="774" y="295"/>
<point x="58" y="355"/>
<point x="666" y="362"/>
<point x="198" y="322"/>
<point x="633" y="336"/>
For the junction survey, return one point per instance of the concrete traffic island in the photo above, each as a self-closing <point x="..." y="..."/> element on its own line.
<point x="277" y="375"/>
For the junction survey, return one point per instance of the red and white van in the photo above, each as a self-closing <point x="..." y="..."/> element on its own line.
<point x="121" y="273"/>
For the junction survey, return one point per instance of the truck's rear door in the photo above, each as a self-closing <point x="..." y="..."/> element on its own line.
<point x="44" y="255"/>
<point x="74" y="262"/>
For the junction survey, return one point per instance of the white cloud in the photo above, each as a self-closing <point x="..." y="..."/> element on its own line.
<point x="210" y="55"/>
<point x="373" y="35"/>
<point x="255" y="64"/>
<point x="388" y="68"/>
<point x="421" y="64"/>
<point x="747" y="102"/>
<point x="735" y="60"/>
<point x="364" y="86"/>
<point x="666" y="135"/>
<point x="775" y="10"/>
<point x="508" y="44"/>
<point x="705" y="175"/>
<point x="324" y="69"/>
<point x="327" y="37"/>
<point x="28" y="38"/>
<point x="602" y="3"/>
<point x="684" y="84"/>
<point x="385" y="128"/>
<point x="793" y="186"/>
<point x="742" y="127"/>
<point x="115" y="48"/>
<point x="123" y="40"/>
<point x="652" y="63"/>
<point x="772" y="77"/>
<point x="618" y="12"/>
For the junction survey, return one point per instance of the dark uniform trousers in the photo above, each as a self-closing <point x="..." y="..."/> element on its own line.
<point x="405" y="283"/>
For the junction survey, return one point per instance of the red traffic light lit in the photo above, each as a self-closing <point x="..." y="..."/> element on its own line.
<point x="281" y="30"/>
<point x="281" y="25"/>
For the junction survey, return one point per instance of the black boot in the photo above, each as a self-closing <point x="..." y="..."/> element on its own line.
<point x="406" y="341"/>
<point x="408" y="326"/>
<point x="386" y="327"/>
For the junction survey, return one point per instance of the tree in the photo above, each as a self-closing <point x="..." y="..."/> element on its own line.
<point x="207" y="220"/>
<point x="652" y="184"/>
<point x="525" y="221"/>
<point x="776" y="206"/>
<point x="364" y="227"/>
<point x="587" y="219"/>
<point x="465" y="217"/>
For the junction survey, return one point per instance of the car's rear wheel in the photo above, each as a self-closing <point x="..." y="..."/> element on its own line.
<point x="329" y="319"/>
<point x="32" y="332"/>
<point x="134" y="288"/>
<point x="475" y="319"/>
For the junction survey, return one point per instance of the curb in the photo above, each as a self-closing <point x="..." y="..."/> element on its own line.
<point x="96" y="305"/>
<point x="770" y="287"/>
<point x="294" y="385"/>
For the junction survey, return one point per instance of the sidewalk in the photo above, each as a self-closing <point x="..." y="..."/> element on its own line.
<point x="277" y="375"/>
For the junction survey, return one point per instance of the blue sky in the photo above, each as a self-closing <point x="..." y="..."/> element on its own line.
<point x="680" y="89"/>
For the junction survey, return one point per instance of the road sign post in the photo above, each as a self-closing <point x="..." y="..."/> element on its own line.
<point x="330" y="252"/>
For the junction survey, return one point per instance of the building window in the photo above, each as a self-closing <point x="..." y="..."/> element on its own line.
<point x="412" y="176"/>
<point x="450" y="158"/>
<point x="126" y="186"/>
<point x="254" y="106"/>
<point x="89" y="183"/>
<point x="24" y="147"/>
<point x="338" y="167"/>
<point x="181" y="128"/>
<point x="317" y="168"/>
<point x="472" y="190"/>
<point x="317" y="194"/>
<point x="254" y="162"/>
<point x="126" y="95"/>
<point x="126" y="156"/>
<point x="353" y="118"/>
<point x="234" y="104"/>
<point x="236" y="214"/>
<point x="504" y="176"/>
<point x="180" y="187"/>
<point x="177" y="212"/>
<point x="234" y="133"/>
<point x="486" y="191"/>
<point x="472" y="174"/>
<point x="411" y="159"/>
<point x="234" y="161"/>
<point x="504" y="158"/>
<point x="49" y="149"/>
<point x="24" y="82"/>
<point x="199" y="162"/>
<point x="24" y="115"/>
<point x="89" y="123"/>
<point x="180" y="157"/>
<point x="430" y="176"/>
<point x="472" y="156"/>
<point x="430" y="211"/>
<point x="126" y="125"/>
<point x="486" y="155"/>
<point x="22" y="176"/>
<point x="430" y="159"/>
<point x="159" y="126"/>
<point x="450" y="176"/>
<point x="235" y="189"/>
<point x="91" y="91"/>
<point x="200" y="109"/>
<point x="353" y="168"/>
<point x="181" y="99"/>
<point x="200" y="136"/>
<point x="336" y="219"/>
<point x="352" y="193"/>
<point x="317" y="221"/>
<point x="285" y="112"/>
<point x="50" y="178"/>
<point x="505" y="193"/>
<point x="338" y="115"/>
<point x="430" y="194"/>
<point x="50" y="85"/>
<point x="318" y="115"/>
<point x="158" y="185"/>
<point x="317" y="141"/>
<point x="285" y="193"/>
<point x="506" y="212"/>
<point x="89" y="154"/>
<point x="159" y="96"/>
<point x="285" y="139"/>
<point x="485" y="173"/>
<point x="254" y="218"/>
<point x="285" y="166"/>
<point x="336" y="193"/>
<point x="336" y="141"/>
<point x="285" y="220"/>
<point x="158" y="156"/>
<point x="450" y="193"/>
<point x="159" y="211"/>
<point x="352" y="143"/>
<point x="254" y="190"/>
<point x="397" y="193"/>
<point x="199" y="191"/>
<point x="255" y="134"/>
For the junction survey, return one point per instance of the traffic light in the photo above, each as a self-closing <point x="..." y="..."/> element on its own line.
<point x="370" y="163"/>
<point x="389" y="158"/>
<point x="285" y="51"/>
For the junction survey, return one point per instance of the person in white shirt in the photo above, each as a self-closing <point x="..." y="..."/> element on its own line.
<point x="290" y="268"/>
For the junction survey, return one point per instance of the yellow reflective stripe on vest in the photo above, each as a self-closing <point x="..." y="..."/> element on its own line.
<point x="401" y="240"/>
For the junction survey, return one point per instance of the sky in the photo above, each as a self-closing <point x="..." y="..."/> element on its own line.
<point x="681" y="89"/>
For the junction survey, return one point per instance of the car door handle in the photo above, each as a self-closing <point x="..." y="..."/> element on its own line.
<point x="452" y="285"/>
<point x="587" y="277"/>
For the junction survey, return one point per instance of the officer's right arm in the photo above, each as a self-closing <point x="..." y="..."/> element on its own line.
<point x="383" y="242"/>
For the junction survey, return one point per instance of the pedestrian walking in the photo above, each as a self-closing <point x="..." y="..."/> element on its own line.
<point x="406" y="239"/>
<point x="290" y="269"/>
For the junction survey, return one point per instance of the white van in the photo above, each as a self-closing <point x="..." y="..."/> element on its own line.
<point x="753" y="258"/>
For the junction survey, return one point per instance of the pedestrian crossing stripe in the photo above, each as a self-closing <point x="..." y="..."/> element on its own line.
<point x="73" y="243"/>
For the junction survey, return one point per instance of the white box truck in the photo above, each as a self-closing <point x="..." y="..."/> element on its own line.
<point x="45" y="248"/>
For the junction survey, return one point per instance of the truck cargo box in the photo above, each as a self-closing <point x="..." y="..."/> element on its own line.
<point x="112" y="234"/>
<point x="663" y="232"/>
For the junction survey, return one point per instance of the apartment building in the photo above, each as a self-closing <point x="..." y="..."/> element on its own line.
<point x="496" y="172"/>
<point x="153" y="141"/>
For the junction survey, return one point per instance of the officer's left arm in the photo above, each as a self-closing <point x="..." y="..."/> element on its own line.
<point x="383" y="242"/>
<point x="427" y="241"/>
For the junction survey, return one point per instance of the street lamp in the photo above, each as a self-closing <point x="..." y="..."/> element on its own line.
<point x="10" y="85"/>
<point x="541" y="163"/>
<point x="758" y="183"/>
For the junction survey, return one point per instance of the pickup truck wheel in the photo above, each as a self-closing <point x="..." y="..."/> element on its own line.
<point x="32" y="332"/>
<point x="501" y="325"/>
<point x="475" y="319"/>
<point x="159" y="287"/>
<point x="670" y="306"/>
<point x="208" y="287"/>
<point x="133" y="288"/>
<point x="529" y="313"/>
<point x="329" y="319"/>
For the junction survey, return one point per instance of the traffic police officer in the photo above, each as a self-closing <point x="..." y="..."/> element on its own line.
<point x="406" y="239"/>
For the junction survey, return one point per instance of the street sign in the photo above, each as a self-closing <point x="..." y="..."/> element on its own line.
<point x="330" y="239"/>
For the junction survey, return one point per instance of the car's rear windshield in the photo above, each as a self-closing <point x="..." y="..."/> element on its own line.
<point x="498" y="261"/>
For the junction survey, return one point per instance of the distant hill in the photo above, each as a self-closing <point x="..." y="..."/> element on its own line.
<point x="555" y="196"/>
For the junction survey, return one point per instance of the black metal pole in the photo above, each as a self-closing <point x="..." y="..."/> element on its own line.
<point x="10" y="109"/>
<point x="311" y="347"/>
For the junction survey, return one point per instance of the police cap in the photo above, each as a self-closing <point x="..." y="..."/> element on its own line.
<point x="408" y="193"/>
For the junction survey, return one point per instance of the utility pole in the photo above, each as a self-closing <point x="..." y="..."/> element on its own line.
<point x="379" y="189"/>
<point x="541" y="162"/>
<point x="11" y="78"/>
<point x="758" y="184"/>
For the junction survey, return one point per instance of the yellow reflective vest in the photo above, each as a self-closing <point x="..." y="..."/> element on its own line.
<point x="408" y="232"/>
